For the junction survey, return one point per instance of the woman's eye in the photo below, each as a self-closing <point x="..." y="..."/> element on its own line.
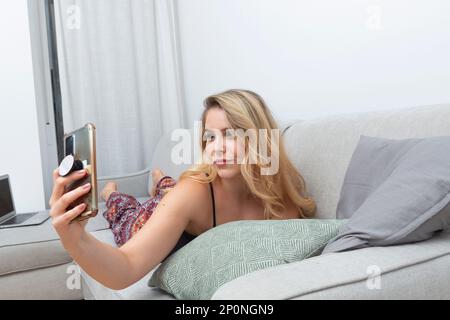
<point x="209" y="137"/>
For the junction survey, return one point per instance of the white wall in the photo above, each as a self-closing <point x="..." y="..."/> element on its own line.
<point x="312" y="58"/>
<point x="306" y="58"/>
<point x="19" y="143"/>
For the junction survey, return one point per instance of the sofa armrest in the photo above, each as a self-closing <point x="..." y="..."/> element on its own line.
<point x="412" y="271"/>
<point x="135" y="184"/>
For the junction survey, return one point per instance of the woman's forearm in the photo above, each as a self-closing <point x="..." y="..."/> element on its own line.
<point x="103" y="262"/>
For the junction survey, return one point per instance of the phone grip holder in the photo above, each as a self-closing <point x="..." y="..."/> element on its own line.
<point x="69" y="165"/>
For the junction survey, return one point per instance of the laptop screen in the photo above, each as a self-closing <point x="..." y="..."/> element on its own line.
<point x="6" y="202"/>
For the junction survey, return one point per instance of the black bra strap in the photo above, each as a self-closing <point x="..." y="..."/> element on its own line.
<point x="213" y="204"/>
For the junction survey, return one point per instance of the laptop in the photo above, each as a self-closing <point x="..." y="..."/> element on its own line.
<point x="8" y="216"/>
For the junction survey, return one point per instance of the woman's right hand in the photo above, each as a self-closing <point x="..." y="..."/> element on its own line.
<point x="70" y="233"/>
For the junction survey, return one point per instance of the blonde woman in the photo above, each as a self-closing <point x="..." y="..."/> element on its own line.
<point x="216" y="192"/>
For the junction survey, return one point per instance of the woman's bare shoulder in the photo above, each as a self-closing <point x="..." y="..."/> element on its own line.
<point x="190" y="193"/>
<point x="194" y="181"/>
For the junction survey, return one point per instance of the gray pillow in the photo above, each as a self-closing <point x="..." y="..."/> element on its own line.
<point x="394" y="192"/>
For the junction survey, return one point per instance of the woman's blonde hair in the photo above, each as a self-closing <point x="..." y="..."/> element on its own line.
<point x="245" y="109"/>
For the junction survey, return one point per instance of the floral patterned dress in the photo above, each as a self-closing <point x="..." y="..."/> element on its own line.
<point x="126" y="216"/>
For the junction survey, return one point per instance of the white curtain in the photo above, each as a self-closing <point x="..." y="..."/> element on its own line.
<point x="109" y="70"/>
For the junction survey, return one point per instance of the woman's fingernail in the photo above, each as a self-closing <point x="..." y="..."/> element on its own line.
<point x="86" y="186"/>
<point x="81" y="172"/>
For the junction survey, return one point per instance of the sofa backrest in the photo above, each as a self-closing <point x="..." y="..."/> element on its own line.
<point x="162" y="158"/>
<point x="321" y="148"/>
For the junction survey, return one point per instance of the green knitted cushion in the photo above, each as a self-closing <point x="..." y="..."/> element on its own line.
<point x="236" y="248"/>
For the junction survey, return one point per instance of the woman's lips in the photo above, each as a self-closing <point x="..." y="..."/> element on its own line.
<point x="223" y="161"/>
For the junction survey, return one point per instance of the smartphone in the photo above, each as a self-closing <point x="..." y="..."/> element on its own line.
<point x="81" y="145"/>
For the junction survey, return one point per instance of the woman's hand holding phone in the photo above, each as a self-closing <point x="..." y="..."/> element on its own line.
<point x="69" y="230"/>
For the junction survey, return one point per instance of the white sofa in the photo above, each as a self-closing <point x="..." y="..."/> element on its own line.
<point x="33" y="264"/>
<point x="321" y="149"/>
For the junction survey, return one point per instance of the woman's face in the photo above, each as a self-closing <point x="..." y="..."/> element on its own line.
<point x="222" y="148"/>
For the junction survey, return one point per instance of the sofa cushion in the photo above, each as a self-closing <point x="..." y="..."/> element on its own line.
<point x="420" y="281"/>
<point x="418" y="271"/>
<point x="395" y="191"/>
<point x="321" y="148"/>
<point x="236" y="248"/>
<point x="33" y="247"/>
<point x="92" y="290"/>
<point x="44" y="283"/>
<point x="30" y="256"/>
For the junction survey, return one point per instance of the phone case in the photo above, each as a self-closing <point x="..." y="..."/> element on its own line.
<point x="81" y="144"/>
